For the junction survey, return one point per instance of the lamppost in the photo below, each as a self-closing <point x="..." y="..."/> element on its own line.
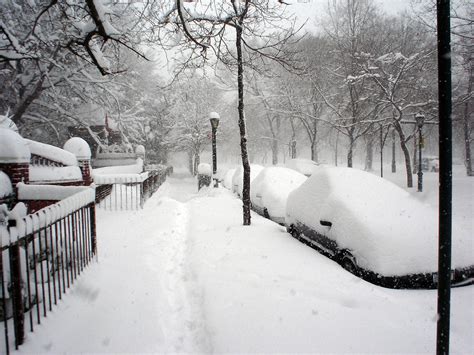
<point x="214" y="118"/>
<point x="419" y="118"/>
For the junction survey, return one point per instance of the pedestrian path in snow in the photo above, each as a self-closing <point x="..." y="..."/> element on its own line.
<point x="140" y="296"/>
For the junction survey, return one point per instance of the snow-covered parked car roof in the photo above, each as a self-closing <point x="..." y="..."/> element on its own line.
<point x="270" y="190"/>
<point x="237" y="179"/>
<point x="304" y="166"/>
<point x="388" y="231"/>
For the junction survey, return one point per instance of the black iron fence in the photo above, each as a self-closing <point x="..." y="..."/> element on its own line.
<point x="42" y="255"/>
<point x="128" y="191"/>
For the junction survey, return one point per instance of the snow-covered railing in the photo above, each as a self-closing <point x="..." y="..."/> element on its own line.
<point x="127" y="191"/>
<point x="42" y="254"/>
<point x="113" y="159"/>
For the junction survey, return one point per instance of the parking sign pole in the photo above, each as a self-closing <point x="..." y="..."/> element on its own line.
<point x="445" y="175"/>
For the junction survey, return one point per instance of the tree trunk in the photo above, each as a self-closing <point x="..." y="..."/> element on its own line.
<point x="314" y="151"/>
<point x="26" y="102"/>
<point x="369" y="156"/>
<point x="406" y="153"/>
<point x="292" y="145"/>
<point x="197" y="161"/>
<point x="415" y="154"/>
<point x="243" y="134"/>
<point x="190" y="162"/>
<point x="274" y="151"/>
<point x="350" y="152"/>
<point x="394" y="162"/>
<point x="467" y="130"/>
<point x="314" y="142"/>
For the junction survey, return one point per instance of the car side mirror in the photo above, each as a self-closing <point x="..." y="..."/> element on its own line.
<point x="326" y="223"/>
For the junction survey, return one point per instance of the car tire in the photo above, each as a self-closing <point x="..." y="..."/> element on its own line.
<point x="265" y="213"/>
<point x="295" y="232"/>
<point x="348" y="262"/>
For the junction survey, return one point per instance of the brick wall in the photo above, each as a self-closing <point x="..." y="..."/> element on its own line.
<point x="85" y="167"/>
<point x="17" y="172"/>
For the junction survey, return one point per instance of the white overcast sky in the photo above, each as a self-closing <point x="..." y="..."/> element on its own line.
<point x="311" y="9"/>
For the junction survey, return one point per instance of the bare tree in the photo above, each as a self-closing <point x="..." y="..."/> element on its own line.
<point x="409" y="55"/>
<point x="49" y="47"/>
<point x="462" y="35"/>
<point x="260" y="29"/>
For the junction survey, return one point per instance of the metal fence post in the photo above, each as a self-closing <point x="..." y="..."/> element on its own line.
<point x="142" y="190"/>
<point x="93" y="230"/>
<point x="18" y="311"/>
<point x="4" y="305"/>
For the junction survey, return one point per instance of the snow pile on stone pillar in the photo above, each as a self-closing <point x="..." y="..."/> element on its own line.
<point x="82" y="151"/>
<point x="14" y="156"/>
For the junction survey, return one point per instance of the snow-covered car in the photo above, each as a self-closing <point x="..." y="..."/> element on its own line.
<point x="430" y="163"/>
<point x="374" y="229"/>
<point x="304" y="166"/>
<point x="270" y="189"/>
<point x="238" y="178"/>
<point x="227" y="181"/>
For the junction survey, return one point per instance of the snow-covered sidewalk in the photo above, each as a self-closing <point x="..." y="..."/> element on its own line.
<point x="135" y="299"/>
<point x="184" y="275"/>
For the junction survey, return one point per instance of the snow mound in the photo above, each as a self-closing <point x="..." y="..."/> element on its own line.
<point x="140" y="150"/>
<point x="270" y="189"/>
<point x="385" y="228"/>
<point x="79" y="148"/>
<point x="13" y="147"/>
<point x="7" y="123"/>
<point x="238" y="178"/>
<point x="52" y="153"/>
<point x="204" y="169"/>
<point x="5" y="185"/>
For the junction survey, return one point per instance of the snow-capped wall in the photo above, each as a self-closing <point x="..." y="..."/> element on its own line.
<point x="47" y="192"/>
<point x="13" y="148"/>
<point x="46" y="216"/>
<point x="136" y="168"/>
<point x="52" y="153"/>
<point x="120" y="178"/>
<point x="54" y="174"/>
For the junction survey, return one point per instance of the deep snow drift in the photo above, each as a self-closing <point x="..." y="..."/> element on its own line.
<point x="184" y="275"/>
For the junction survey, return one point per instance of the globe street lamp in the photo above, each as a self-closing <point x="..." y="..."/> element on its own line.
<point x="214" y="118"/>
<point x="419" y="118"/>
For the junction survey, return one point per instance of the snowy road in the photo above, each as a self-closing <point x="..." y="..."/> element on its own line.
<point x="184" y="275"/>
